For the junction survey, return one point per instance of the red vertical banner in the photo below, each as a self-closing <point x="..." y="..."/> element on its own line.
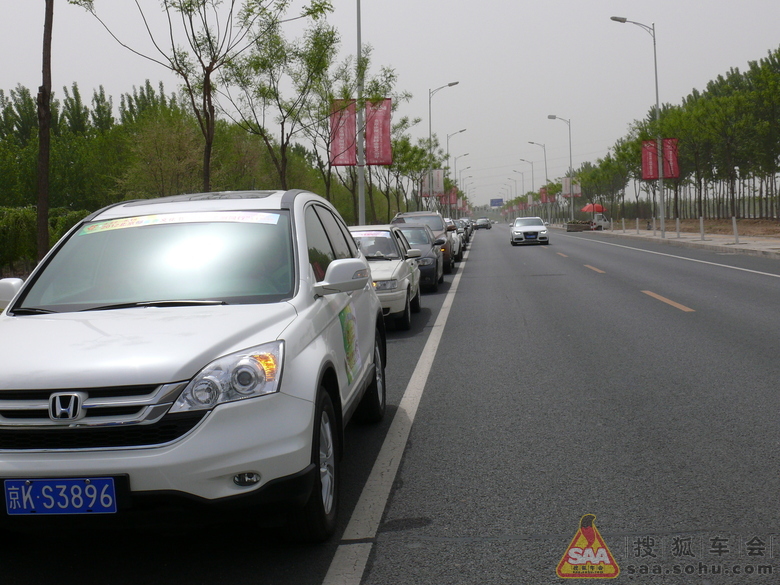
<point x="671" y="167"/>
<point x="343" y="133"/>
<point x="378" y="146"/>
<point x="649" y="160"/>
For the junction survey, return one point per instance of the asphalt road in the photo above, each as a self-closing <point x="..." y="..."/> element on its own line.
<point x="597" y="375"/>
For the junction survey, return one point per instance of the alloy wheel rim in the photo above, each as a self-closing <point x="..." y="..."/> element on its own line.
<point x="327" y="463"/>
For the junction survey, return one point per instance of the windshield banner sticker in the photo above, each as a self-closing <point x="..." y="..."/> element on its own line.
<point x="587" y="557"/>
<point x="168" y="218"/>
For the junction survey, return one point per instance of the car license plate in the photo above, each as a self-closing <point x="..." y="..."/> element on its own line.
<point x="60" y="496"/>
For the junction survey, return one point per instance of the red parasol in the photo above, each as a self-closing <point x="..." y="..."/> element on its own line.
<point x="594" y="208"/>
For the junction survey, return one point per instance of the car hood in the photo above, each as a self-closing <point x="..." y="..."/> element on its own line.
<point x="385" y="269"/>
<point x="150" y="345"/>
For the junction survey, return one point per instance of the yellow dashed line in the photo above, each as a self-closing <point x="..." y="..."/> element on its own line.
<point x="669" y="302"/>
<point x="594" y="269"/>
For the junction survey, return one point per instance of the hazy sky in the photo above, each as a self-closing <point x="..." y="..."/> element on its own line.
<point x="516" y="62"/>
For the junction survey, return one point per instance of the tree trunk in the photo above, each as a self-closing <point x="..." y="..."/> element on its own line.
<point x="44" y="135"/>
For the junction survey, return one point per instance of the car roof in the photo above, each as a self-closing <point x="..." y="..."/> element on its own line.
<point x="214" y="201"/>
<point x="372" y="228"/>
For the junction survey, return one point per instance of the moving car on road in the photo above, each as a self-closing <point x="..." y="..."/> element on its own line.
<point x="394" y="270"/>
<point x="205" y="348"/>
<point x="529" y="230"/>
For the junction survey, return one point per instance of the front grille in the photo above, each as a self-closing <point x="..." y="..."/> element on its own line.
<point x="108" y="417"/>
<point x="166" y="430"/>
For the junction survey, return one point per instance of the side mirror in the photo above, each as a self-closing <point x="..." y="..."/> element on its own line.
<point x="8" y="289"/>
<point x="343" y="275"/>
<point x="413" y="253"/>
<point x="451" y="228"/>
<point x="439" y="242"/>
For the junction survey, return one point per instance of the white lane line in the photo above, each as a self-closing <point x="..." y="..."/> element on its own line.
<point x="351" y="557"/>
<point x="679" y="257"/>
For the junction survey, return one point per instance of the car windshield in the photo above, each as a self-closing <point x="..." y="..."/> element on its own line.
<point x="416" y="236"/>
<point x="435" y="222"/>
<point x="528" y="221"/>
<point x="376" y="244"/>
<point x="230" y="257"/>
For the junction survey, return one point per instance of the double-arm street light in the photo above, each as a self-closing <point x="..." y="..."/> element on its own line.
<point x="658" y="141"/>
<point x="571" y="165"/>
<point x="431" y="93"/>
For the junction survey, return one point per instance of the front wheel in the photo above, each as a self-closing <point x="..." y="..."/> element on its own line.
<point x="416" y="304"/>
<point x="372" y="405"/>
<point x="404" y="322"/>
<point x="316" y="521"/>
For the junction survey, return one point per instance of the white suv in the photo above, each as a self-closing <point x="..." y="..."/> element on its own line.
<point x="206" y="347"/>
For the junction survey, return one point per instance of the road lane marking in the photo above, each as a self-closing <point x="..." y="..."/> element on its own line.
<point x="352" y="554"/>
<point x="564" y="255"/>
<point x="669" y="302"/>
<point x="594" y="269"/>
<point x="678" y="257"/>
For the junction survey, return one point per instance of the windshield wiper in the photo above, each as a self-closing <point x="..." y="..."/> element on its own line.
<point x="144" y="304"/>
<point x="31" y="311"/>
<point x="380" y="258"/>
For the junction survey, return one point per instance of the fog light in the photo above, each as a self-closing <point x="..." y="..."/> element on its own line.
<point x="246" y="479"/>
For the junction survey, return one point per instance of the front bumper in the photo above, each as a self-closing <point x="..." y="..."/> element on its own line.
<point x="270" y="435"/>
<point x="529" y="237"/>
<point x="393" y="302"/>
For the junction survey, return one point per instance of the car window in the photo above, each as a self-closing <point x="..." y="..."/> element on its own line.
<point x="416" y="236"/>
<point x="235" y="257"/>
<point x="321" y="252"/>
<point x="377" y="244"/>
<point x="436" y="222"/>
<point x="528" y="221"/>
<point x="339" y="241"/>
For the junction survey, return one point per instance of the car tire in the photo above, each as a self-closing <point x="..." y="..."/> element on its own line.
<point x="374" y="402"/>
<point x="416" y="304"/>
<point x="448" y="264"/>
<point x="440" y="278"/>
<point x="404" y="322"/>
<point x="316" y="521"/>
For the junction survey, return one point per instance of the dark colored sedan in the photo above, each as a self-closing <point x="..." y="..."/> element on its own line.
<point x="431" y="263"/>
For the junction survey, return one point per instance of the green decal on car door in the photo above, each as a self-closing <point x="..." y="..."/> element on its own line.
<point x="349" y="331"/>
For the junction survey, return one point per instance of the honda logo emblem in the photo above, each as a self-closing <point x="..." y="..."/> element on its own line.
<point x="66" y="406"/>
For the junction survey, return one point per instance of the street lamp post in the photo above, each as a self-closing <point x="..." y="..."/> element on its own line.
<point x="460" y="177"/>
<point x="522" y="176"/>
<point x="448" y="142"/>
<point x="533" y="184"/>
<point x="546" y="180"/>
<point x="571" y="165"/>
<point x="431" y="93"/>
<point x="658" y="141"/>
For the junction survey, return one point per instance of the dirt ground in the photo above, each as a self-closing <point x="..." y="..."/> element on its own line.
<point x="745" y="227"/>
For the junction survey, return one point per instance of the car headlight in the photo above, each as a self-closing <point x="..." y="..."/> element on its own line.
<point x="425" y="261"/>
<point x="385" y="284"/>
<point x="543" y="232"/>
<point x="246" y="374"/>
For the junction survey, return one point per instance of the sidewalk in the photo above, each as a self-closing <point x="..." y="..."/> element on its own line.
<point x="767" y="247"/>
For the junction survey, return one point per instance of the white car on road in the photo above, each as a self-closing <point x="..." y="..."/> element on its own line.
<point x="205" y="348"/>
